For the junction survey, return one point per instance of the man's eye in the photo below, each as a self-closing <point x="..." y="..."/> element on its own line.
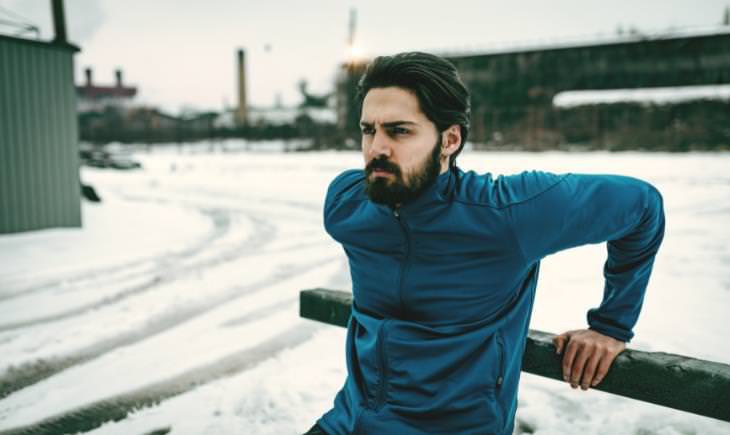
<point x="396" y="131"/>
<point x="368" y="130"/>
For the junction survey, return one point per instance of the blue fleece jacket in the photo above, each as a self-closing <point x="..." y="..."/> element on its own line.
<point x="444" y="286"/>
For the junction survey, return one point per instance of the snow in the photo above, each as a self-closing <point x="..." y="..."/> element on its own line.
<point x="659" y="95"/>
<point x="183" y="286"/>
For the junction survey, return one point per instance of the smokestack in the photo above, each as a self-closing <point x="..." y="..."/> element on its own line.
<point x="59" y="22"/>
<point x="118" y="75"/>
<point x="242" y="112"/>
<point x="353" y="25"/>
<point x="89" y="82"/>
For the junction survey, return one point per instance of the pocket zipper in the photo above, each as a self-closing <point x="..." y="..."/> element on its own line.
<point x="380" y="397"/>
<point x="500" y="376"/>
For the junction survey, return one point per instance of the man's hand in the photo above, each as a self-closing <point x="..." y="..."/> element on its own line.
<point x="588" y="356"/>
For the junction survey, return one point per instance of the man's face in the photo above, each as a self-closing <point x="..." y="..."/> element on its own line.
<point x="401" y="147"/>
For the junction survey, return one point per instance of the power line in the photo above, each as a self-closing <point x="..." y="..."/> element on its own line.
<point x="21" y="28"/>
<point x="17" y="15"/>
<point x="19" y="22"/>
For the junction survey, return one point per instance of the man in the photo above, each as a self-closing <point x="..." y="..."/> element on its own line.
<point x="444" y="263"/>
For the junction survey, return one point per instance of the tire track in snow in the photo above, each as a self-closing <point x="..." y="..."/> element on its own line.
<point x="262" y="312"/>
<point x="220" y="218"/>
<point x="86" y="418"/>
<point x="251" y="203"/>
<point x="262" y="234"/>
<point x="17" y="378"/>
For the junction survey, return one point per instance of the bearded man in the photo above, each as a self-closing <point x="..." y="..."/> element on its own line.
<point x="444" y="263"/>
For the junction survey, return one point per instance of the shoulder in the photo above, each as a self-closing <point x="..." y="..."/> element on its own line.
<point x="505" y="190"/>
<point x="347" y="185"/>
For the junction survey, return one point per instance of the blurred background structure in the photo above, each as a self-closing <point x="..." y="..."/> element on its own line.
<point x="39" y="166"/>
<point x="629" y="89"/>
<point x="607" y="95"/>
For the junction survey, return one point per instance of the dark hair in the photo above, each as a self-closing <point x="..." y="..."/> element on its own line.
<point x="441" y="94"/>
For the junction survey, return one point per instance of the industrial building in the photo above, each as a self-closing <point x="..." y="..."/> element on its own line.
<point x="513" y="93"/>
<point x="93" y="97"/>
<point x="39" y="163"/>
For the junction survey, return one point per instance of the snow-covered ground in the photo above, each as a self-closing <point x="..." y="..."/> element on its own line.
<point x="175" y="308"/>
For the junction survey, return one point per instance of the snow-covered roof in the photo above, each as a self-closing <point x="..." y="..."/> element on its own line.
<point x="642" y="95"/>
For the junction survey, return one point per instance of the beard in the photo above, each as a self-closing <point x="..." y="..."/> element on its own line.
<point x="383" y="190"/>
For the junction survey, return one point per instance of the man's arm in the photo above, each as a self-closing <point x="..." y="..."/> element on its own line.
<point x="575" y="210"/>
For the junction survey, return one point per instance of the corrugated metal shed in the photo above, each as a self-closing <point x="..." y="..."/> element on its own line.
<point x="39" y="163"/>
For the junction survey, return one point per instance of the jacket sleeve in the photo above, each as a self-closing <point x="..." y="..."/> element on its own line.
<point x="560" y="212"/>
<point x="339" y="187"/>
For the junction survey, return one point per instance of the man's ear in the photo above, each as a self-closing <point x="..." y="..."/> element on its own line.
<point x="450" y="140"/>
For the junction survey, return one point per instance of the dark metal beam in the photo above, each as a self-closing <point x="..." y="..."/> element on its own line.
<point x="676" y="381"/>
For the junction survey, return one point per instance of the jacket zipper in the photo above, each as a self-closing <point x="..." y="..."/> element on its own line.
<point x="500" y="345"/>
<point x="380" y="399"/>
<point x="404" y="265"/>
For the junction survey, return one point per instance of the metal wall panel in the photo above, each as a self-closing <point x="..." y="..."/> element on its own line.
<point x="39" y="163"/>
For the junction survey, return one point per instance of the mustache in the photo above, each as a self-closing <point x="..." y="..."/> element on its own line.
<point x="382" y="164"/>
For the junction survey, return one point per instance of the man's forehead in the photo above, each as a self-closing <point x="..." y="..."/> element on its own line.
<point x="391" y="105"/>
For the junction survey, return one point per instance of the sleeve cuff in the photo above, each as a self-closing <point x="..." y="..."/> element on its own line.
<point x="611" y="331"/>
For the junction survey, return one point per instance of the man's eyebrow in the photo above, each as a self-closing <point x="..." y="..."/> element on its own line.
<point x="389" y="124"/>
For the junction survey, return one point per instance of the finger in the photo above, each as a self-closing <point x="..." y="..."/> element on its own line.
<point x="570" y="351"/>
<point x="559" y="342"/>
<point x="579" y="363"/>
<point x="590" y="370"/>
<point x="562" y="340"/>
<point x="603" y="367"/>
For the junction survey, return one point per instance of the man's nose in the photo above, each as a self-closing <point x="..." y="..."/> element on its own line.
<point x="380" y="145"/>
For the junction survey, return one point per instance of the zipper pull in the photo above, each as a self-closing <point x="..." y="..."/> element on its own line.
<point x="499" y="381"/>
<point x="396" y="214"/>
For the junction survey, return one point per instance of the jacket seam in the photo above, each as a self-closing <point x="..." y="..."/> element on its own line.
<point x="522" y="201"/>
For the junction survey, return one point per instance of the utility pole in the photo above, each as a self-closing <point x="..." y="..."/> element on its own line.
<point x="59" y="22"/>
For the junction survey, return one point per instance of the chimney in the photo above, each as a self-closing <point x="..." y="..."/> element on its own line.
<point x="118" y="75"/>
<point x="87" y="72"/>
<point x="242" y="112"/>
<point x="59" y="22"/>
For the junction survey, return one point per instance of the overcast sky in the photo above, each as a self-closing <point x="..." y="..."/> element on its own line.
<point x="181" y="53"/>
